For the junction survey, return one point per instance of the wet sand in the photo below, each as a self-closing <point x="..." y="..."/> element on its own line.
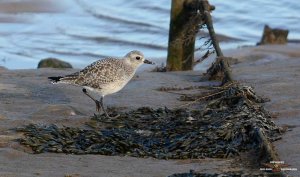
<point x="40" y="6"/>
<point x="10" y="10"/>
<point x="28" y="97"/>
<point x="274" y="71"/>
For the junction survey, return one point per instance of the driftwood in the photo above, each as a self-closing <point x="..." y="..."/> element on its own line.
<point x="267" y="152"/>
<point x="187" y="16"/>
<point x="219" y="69"/>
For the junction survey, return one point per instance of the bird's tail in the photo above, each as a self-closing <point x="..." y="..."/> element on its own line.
<point x="55" y="79"/>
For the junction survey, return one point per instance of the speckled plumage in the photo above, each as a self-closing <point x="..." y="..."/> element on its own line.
<point x="105" y="76"/>
<point x="100" y="73"/>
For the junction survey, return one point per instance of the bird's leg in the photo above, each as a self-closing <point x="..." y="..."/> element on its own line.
<point x="96" y="101"/>
<point x="102" y="106"/>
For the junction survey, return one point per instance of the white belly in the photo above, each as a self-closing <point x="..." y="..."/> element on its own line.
<point x="109" y="88"/>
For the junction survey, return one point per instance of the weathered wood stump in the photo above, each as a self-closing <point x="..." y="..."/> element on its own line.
<point x="274" y="36"/>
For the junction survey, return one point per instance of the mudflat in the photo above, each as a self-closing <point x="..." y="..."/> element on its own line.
<point x="28" y="97"/>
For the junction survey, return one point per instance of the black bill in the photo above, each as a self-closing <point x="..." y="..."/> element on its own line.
<point x="148" y="62"/>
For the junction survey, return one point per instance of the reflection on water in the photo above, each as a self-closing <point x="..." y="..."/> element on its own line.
<point x="82" y="31"/>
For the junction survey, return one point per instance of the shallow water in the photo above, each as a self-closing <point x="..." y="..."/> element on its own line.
<point x="82" y="31"/>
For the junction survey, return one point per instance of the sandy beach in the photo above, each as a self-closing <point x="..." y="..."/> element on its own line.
<point x="28" y="97"/>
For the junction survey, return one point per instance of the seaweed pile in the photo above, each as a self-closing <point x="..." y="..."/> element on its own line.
<point x="227" y="174"/>
<point x="224" y="127"/>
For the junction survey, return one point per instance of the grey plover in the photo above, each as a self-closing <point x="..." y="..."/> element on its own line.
<point x="105" y="76"/>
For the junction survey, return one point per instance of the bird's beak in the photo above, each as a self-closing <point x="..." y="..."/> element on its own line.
<point x="148" y="62"/>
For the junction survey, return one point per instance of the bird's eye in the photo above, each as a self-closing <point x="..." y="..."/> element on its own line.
<point x="138" y="57"/>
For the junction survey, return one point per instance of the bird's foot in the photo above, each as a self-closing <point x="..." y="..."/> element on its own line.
<point x="105" y="113"/>
<point x="104" y="117"/>
<point x="111" y="117"/>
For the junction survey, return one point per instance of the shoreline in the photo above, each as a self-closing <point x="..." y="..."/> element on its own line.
<point x="198" y="67"/>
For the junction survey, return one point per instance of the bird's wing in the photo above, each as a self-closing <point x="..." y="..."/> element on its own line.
<point x="100" y="72"/>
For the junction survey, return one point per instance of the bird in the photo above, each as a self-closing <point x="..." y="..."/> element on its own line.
<point x="105" y="76"/>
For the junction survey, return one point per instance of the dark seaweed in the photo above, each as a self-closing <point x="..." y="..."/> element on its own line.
<point x="225" y="127"/>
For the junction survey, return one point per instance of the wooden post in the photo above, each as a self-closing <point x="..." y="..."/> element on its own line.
<point x="182" y="34"/>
